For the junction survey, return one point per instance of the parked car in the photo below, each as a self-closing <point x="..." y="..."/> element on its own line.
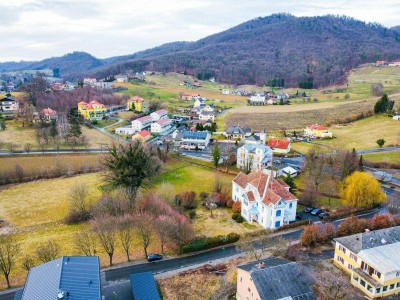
<point x="316" y="212"/>
<point x="298" y="217"/>
<point x="309" y="209"/>
<point x="154" y="257"/>
<point x="323" y="215"/>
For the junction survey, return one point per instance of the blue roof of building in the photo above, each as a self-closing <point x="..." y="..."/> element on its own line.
<point x="78" y="277"/>
<point x="199" y="135"/>
<point x="144" y="286"/>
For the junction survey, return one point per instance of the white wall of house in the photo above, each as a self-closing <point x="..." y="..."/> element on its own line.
<point x="157" y="128"/>
<point x="139" y="125"/>
<point x="125" y="130"/>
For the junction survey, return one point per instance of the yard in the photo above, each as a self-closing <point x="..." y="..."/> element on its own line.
<point x="387" y="157"/>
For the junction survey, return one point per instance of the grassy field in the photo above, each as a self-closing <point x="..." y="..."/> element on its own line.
<point x="38" y="162"/>
<point x="389" y="157"/>
<point x="18" y="135"/>
<point x="363" y="134"/>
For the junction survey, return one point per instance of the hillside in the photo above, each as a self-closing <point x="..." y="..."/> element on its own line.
<point x="312" y="50"/>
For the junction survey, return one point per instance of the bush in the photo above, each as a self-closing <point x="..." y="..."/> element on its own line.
<point x="239" y="219"/>
<point x="76" y="217"/>
<point x="192" y="214"/>
<point x="235" y="215"/>
<point x="210" y="242"/>
<point x="229" y="203"/>
<point x="237" y="206"/>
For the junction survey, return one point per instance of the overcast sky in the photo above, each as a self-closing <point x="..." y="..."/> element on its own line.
<point x="37" y="29"/>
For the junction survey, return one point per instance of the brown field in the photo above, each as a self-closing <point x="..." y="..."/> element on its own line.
<point x="290" y="117"/>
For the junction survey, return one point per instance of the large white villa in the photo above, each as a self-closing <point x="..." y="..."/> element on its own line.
<point x="264" y="199"/>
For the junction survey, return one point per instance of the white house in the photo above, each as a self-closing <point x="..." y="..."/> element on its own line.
<point x="226" y="92"/>
<point x="207" y="115"/>
<point x="141" y="123"/>
<point x="192" y="140"/>
<point x="264" y="199"/>
<point x="254" y="157"/>
<point x="396" y="117"/>
<point x="125" y="130"/>
<point x="280" y="146"/>
<point x="198" y="102"/>
<point x="257" y="99"/>
<point x="121" y="78"/>
<point x="161" y="126"/>
<point x="159" y="114"/>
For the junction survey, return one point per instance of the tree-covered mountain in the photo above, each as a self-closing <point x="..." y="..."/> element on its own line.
<point x="308" y="50"/>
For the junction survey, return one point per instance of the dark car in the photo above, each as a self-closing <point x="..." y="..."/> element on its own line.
<point x="316" y="212"/>
<point x="309" y="209"/>
<point x="323" y="215"/>
<point x="298" y="217"/>
<point x="154" y="257"/>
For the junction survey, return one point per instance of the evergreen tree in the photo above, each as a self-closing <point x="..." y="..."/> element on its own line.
<point x="290" y="182"/>
<point x="75" y="129"/>
<point x="216" y="154"/>
<point x="361" y="163"/>
<point x="53" y="129"/>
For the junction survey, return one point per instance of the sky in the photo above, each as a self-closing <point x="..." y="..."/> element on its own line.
<point x="38" y="29"/>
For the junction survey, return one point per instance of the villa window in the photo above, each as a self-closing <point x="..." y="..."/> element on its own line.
<point x="362" y="282"/>
<point x="398" y="285"/>
<point x="384" y="289"/>
<point x="278" y="213"/>
<point x="290" y="205"/>
<point x="378" y="290"/>
<point x="277" y="224"/>
<point x="391" y="287"/>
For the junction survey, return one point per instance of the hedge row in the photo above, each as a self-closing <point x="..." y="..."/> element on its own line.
<point x="210" y="242"/>
<point x="294" y="225"/>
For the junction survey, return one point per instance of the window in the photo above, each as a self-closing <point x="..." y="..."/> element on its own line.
<point x="290" y="205"/>
<point x="277" y="223"/>
<point x="353" y="256"/>
<point x="398" y="285"/>
<point x="343" y="249"/>
<point x="340" y="259"/>
<point x="248" y="289"/>
<point x="241" y="278"/>
<point x="397" y="274"/>
<point x="278" y="213"/>
<point x="350" y="266"/>
<point x="378" y="290"/>
<point x="391" y="287"/>
<point x="384" y="289"/>
<point x="376" y="273"/>
<point x="362" y="282"/>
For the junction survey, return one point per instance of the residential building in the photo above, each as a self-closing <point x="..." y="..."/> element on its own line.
<point x="92" y="110"/>
<point x="67" y="277"/>
<point x="394" y="64"/>
<point x="258" y="138"/>
<point x="236" y="132"/>
<point x="121" y="78"/>
<point x="89" y="81"/>
<point x="372" y="259"/>
<point x="178" y="133"/>
<point x="225" y="92"/>
<point x="103" y="85"/>
<point x="207" y="115"/>
<point x="381" y="63"/>
<point x="135" y="103"/>
<point x="161" y="126"/>
<point x="317" y="131"/>
<point x="253" y="157"/>
<point x="190" y="96"/>
<point x="142" y="123"/>
<point x="126" y="130"/>
<point x="195" y="140"/>
<point x="159" y="114"/>
<point x="198" y="103"/>
<point x="257" y="99"/>
<point x="142" y="136"/>
<point x="48" y="114"/>
<point x="207" y="108"/>
<point x="272" y="279"/>
<point x="264" y="199"/>
<point x="280" y="146"/>
<point x="144" y="286"/>
<point x="8" y="106"/>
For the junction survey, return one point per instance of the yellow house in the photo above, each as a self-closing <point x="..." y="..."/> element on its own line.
<point x="136" y="103"/>
<point x="142" y="136"/>
<point x="372" y="259"/>
<point x="317" y="131"/>
<point x="92" y="110"/>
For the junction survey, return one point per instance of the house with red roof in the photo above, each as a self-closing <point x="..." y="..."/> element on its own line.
<point x="135" y="103"/>
<point x="142" y="123"/>
<point x="92" y="110"/>
<point x="159" y="114"/>
<point x="280" y="146"/>
<point x="48" y="114"/>
<point x="317" y="131"/>
<point x="265" y="200"/>
<point x="142" y="136"/>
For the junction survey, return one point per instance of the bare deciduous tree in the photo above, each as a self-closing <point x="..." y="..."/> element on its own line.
<point x="47" y="251"/>
<point x="105" y="230"/>
<point x="143" y="224"/>
<point x="125" y="232"/>
<point x="78" y="197"/>
<point x="9" y="250"/>
<point x="85" y="242"/>
<point x="27" y="262"/>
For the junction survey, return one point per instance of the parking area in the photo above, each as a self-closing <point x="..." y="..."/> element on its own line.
<point x="308" y="216"/>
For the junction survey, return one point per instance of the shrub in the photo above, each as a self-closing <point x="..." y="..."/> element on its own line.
<point x="309" y="236"/>
<point x="235" y="215"/>
<point x="237" y="206"/>
<point x="229" y="203"/>
<point x="75" y="217"/>
<point x="352" y="225"/>
<point x="381" y="221"/>
<point x="187" y="199"/>
<point x="192" y="214"/>
<point x="210" y="242"/>
<point x="239" y="219"/>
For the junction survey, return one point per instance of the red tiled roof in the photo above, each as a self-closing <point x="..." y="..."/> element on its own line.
<point x="270" y="197"/>
<point x="161" y="112"/>
<point x="280" y="144"/>
<point x="138" y="99"/>
<point x="144" y="133"/>
<point x="144" y="119"/>
<point x="48" y="112"/>
<point x="317" y="127"/>
<point x="250" y="196"/>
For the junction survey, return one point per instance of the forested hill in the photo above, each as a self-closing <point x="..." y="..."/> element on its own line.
<point x="320" y="49"/>
<point x="310" y="50"/>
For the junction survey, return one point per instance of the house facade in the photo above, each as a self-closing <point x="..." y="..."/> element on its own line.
<point x="195" y="140"/>
<point x="253" y="157"/>
<point x="206" y="115"/>
<point x="317" y="131"/>
<point x="280" y="146"/>
<point x="142" y="123"/>
<point x="237" y="132"/>
<point x="159" y="114"/>
<point x="142" y="136"/>
<point x="372" y="259"/>
<point x="272" y="279"/>
<point x="161" y="126"/>
<point x="48" y="114"/>
<point x="264" y="199"/>
<point x="257" y="99"/>
<point x="8" y="106"/>
<point x="135" y="103"/>
<point x="92" y="110"/>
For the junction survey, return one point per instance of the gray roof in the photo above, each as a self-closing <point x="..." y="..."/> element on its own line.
<point x="279" y="278"/>
<point x="367" y="240"/>
<point x="236" y="129"/>
<point x="254" y="138"/>
<point x="144" y="286"/>
<point x="8" y="98"/>
<point x="76" y="276"/>
<point x="199" y="135"/>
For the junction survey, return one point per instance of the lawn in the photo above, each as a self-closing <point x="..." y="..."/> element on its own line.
<point x="388" y="157"/>
<point x="363" y="134"/>
<point x="304" y="147"/>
